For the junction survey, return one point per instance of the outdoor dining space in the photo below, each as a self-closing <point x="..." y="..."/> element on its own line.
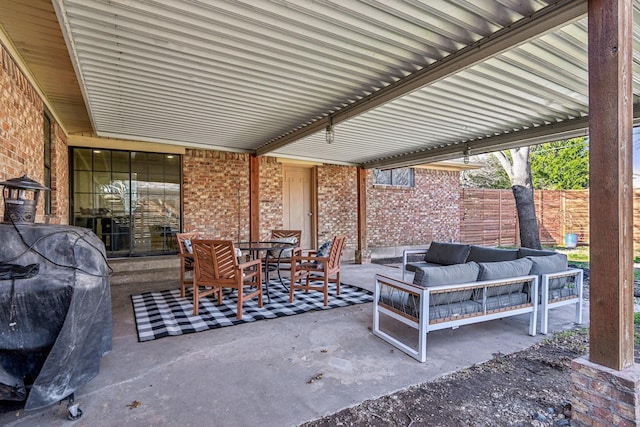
<point x="288" y="370"/>
<point x="209" y="266"/>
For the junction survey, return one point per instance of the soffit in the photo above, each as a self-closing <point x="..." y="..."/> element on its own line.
<point x="240" y="75"/>
<point x="37" y="44"/>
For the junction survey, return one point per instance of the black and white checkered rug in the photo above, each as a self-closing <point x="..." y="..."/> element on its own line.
<point x="162" y="314"/>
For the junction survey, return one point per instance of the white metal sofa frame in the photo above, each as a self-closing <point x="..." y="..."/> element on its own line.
<point x="549" y="301"/>
<point x="421" y="320"/>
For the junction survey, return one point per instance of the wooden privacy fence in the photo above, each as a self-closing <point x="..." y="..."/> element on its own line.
<point x="489" y="216"/>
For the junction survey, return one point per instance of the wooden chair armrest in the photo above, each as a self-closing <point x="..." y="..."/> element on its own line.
<point x="309" y="258"/>
<point x="244" y="265"/>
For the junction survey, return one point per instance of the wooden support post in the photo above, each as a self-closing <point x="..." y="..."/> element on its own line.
<point x="363" y="255"/>
<point x="610" y="145"/>
<point x="254" y="198"/>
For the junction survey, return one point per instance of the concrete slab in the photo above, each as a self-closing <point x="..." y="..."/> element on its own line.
<point x="261" y="373"/>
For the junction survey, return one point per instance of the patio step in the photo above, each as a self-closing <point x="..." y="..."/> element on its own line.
<point x="144" y="269"/>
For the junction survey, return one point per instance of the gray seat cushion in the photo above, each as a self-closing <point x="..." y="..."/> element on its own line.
<point x="507" y="300"/>
<point x="447" y="275"/>
<point x="486" y="254"/>
<point x="455" y="309"/>
<point x="447" y="253"/>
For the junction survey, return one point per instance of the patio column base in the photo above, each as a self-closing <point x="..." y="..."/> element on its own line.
<point x="603" y="396"/>
<point x="363" y="256"/>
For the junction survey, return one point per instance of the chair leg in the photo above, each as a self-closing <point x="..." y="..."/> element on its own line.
<point x="259" y="285"/>
<point x="326" y="289"/>
<point x="240" y="302"/>
<point x="196" y="302"/>
<point x="338" y="283"/>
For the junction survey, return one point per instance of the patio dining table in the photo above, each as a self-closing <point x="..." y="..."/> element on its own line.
<point x="269" y="248"/>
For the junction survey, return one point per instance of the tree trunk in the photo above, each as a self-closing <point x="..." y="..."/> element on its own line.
<point x="529" y="233"/>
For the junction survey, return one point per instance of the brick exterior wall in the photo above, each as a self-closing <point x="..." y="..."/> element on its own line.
<point x="22" y="139"/>
<point x="402" y="216"/>
<point x="59" y="176"/>
<point x="216" y="194"/>
<point x="271" y="207"/>
<point x="337" y="195"/>
<point x="604" y="397"/>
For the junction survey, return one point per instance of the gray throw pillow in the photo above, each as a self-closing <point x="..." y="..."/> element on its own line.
<point x="487" y="254"/>
<point x="447" y="253"/>
<point x="324" y="249"/>
<point x="525" y="252"/>
<point x="447" y="275"/>
<point x="504" y="269"/>
<point x="187" y="246"/>
<point x="283" y="253"/>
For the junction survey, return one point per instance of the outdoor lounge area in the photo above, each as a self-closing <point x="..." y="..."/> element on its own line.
<point x="212" y="376"/>
<point x="140" y="121"/>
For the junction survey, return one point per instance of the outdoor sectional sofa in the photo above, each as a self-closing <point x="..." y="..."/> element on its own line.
<point x="459" y="284"/>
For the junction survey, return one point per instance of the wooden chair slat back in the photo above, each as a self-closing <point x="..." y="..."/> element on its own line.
<point x="226" y="261"/>
<point x="336" y="252"/>
<point x="204" y="260"/>
<point x="277" y="234"/>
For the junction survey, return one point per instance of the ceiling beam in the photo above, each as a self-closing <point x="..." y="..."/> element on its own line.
<point x="533" y="136"/>
<point x="542" y="21"/>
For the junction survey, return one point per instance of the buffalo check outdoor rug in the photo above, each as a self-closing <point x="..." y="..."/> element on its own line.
<point x="165" y="313"/>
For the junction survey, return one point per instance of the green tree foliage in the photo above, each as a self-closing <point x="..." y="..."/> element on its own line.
<point x="561" y="165"/>
<point x="490" y="175"/>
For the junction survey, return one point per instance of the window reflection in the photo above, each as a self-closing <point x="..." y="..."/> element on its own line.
<point x="131" y="200"/>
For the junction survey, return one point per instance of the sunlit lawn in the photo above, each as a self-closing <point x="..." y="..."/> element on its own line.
<point x="579" y="256"/>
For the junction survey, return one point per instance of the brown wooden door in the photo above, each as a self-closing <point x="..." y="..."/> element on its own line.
<point x="297" y="206"/>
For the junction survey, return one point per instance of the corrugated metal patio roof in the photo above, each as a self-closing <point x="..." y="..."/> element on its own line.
<point x="404" y="82"/>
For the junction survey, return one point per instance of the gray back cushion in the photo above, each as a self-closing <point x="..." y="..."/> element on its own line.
<point x="447" y="253"/>
<point x="504" y="269"/>
<point x="447" y="275"/>
<point x="555" y="263"/>
<point x="485" y="254"/>
<point x="525" y="252"/>
<point x="548" y="264"/>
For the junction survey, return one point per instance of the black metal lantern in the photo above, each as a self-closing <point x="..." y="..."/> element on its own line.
<point x="21" y="199"/>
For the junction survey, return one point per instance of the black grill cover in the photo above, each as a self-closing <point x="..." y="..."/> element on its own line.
<point x="56" y="325"/>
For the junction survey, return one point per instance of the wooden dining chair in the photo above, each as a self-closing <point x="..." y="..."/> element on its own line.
<point x="282" y="258"/>
<point x="186" y="259"/>
<point x="216" y="267"/>
<point x="316" y="266"/>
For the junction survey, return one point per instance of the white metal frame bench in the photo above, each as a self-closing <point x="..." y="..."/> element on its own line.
<point x="409" y="304"/>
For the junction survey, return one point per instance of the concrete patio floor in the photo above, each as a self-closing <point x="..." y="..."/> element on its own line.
<point x="259" y="373"/>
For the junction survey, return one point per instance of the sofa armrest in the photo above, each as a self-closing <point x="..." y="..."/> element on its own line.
<point x="405" y="256"/>
<point x="559" y="289"/>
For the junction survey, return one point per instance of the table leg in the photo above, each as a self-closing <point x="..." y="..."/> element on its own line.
<point x="266" y="275"/>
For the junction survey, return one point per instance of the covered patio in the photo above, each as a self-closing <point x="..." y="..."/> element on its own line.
<point x="397" y="84"/>
<point x="259" y="373"/>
